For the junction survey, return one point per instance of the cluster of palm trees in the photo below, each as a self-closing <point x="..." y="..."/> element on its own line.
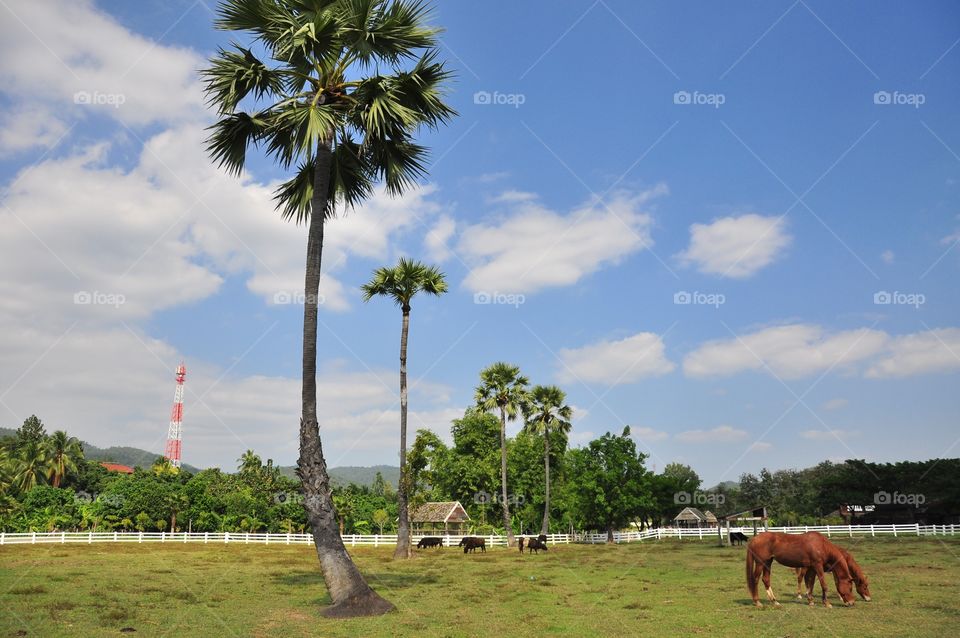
<point x="506" y="392"/>
<point x="26" y="464"/>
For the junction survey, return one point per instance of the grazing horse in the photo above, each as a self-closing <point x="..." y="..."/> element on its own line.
<point x="430" y="541"/>
<point x="542" y="538"/>
<point x="535" y="544"/>
<point x="520" y="544"/>
<point x="811" y="550"/>
<point x="738" y="538"/>
<point x="470" y="543"/>
<point x="856" y="572"/>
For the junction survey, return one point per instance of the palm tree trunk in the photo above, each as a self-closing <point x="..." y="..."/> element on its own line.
<point x="403" y="524"/>
<point x="546" y="488"/>
<point x="511" y="541"/>
<point x="349" y="591"/>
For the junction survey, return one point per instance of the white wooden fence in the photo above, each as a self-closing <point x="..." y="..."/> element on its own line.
<point x="374" y="540"/>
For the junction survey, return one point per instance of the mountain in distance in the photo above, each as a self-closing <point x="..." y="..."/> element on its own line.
<point x="134" y="457"/>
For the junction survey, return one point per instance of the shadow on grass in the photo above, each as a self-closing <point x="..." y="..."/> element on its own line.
<point x="375" y="579"/>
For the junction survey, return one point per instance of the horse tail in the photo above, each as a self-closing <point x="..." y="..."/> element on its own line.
<point x="751" y="575"/>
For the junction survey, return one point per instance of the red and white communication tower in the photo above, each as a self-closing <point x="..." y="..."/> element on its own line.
<point x="175" y="433"/>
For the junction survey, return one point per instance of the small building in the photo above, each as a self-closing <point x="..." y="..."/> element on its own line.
<point x="116" y="467"/>
<point x="692" y="517"/>
<point x="441" y="518"/>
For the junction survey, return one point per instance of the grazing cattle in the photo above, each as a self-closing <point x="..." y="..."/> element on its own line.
<point x="542" y="538"/>
<point x="520" y="544"/>
<point x="811" y="550"/>
<point x="856" y="572"/>
<point x="430" y="541"/>
<point x="738" y="538"/>
<point x="470" y="543"/>
<point x="535" y="544"/>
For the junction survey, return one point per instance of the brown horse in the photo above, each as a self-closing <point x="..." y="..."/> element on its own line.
<point x="811" y="550"/>
<point x="856" y="572"/>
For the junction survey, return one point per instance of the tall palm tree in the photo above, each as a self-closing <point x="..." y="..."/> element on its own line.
<point x="547" y="412"/>
<point x="64" y="453"/>
<point x="401" y="283"/>
<point x="31" y="466"/>
<point x="337" y="102"/>
<point x="504" y="389"/>
<point x="249" y="462"/>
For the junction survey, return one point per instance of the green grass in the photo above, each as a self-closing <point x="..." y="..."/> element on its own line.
<point x="651" y="589"/>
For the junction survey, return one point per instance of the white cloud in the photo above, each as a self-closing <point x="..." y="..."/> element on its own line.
<point x="52" y="51"/>
<point x="760" y="446"/>
<point x="648" y="435"/>
<point x="534" y="247"/>
<point x="25" y="128"/>
<point x="736" y="247"/>
<point x="887" y="256"/>
<point x="437" y="239"/>
<point x="828" y="435"/>
<point x="720" y="434"/>
<point x="835" y="404"/>
<point x="790" y="351"/>
<point x="919" y="353"/>
<point x="615" y="362"/>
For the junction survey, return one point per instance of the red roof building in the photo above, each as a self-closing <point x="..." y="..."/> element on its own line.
<point x="116" y="467"/>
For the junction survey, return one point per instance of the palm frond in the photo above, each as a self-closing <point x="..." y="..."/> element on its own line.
<point x="230" y="137"/>
<point x="233" y="75"/>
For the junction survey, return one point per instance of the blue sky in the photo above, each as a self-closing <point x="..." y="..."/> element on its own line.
<point x="777" y="164"/>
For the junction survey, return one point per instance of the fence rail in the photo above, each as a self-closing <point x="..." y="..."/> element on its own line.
<point x="376" y="540"/>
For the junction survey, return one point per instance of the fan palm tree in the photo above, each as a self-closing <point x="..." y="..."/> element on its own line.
<point x="547" y="412"/>
<point x="32" y="465"/>
<point x="503" y="389"/>
<point x="64" y="453"/>
<point x="337" y="102"/>
<point x="401" y="283"/>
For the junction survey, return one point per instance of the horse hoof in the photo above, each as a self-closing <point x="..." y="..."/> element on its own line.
<point x="828" y="605"/>
<point x="758" y="605"/>
<point x="776" y="604"/>
<point x="810" y="604"/>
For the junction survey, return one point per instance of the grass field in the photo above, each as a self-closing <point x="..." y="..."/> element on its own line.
<point x="650" y="589"/>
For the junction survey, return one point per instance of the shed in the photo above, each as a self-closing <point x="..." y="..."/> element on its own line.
<point x="447" y="517"/>
<point x="692" y="517"/>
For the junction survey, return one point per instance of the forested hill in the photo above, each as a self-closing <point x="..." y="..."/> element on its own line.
<point x="133" y="457"/>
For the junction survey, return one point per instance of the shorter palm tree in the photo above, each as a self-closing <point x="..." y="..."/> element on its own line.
<point x="401" y="284"/>
<point x="546" y="412"/>
<point x="31" y="466"/>
<point x="64" y="452"/>
<point x="504" y="389"/>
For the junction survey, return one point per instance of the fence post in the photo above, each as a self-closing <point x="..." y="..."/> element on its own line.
<point x="163" y="537"/>
<point x="90" y="538"/>
<point x="226" y="537"/>
<point x="918" y="528"/>
<point x="2" y="535"/>
<point x="140" y="538"/>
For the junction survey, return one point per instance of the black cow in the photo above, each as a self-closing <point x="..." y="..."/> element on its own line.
<point x="738" y="538"/>
<point x="535" y="545"/>
<point x="470" y="543"/>
<point x="430" y="541"/>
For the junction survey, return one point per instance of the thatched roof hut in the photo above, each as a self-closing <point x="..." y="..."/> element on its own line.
<point x="692" y="517"/>
<point x="447" y="517"/>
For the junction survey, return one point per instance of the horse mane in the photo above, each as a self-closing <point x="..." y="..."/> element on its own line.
<point x="856" y="572"/>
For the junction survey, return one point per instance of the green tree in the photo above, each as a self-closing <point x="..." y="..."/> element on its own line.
<point x="32" y="432"/>
<point x="612" y="485"/>
<point x="380" y="519"/>
<point x="401" y="283"/>
<point x="504" y="389"/>
<point x="547" y="412"/>
<point x="339" y="105"/>
<point x="32" y="465"/>
<point x="65" y="453"/>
